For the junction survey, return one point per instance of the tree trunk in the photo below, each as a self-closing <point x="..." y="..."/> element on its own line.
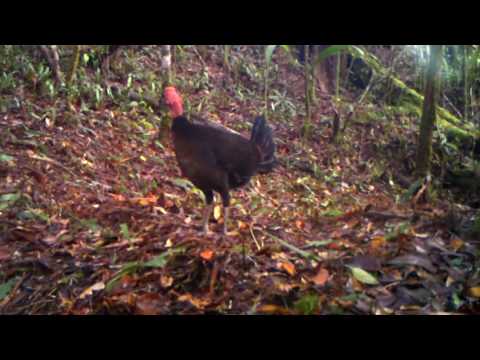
<point x="167" y="62"/>
<point x="74" y="64"/>
<point x="466" y="85"/>
<point x="308" y="115"/>
<point x="51" y="54"/>
<point x="424" y="149"/>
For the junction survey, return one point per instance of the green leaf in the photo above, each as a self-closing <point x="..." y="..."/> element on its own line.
<point x="10" y="197"/>
<point x="5" y="157"/>
<point x="159" y="261"/>
<point x="313" y="244"/>
<point x="124" y="231"/>
<point x="126" y="269"/>
<point x="5" y="288"/>
<point x="332" y="213"/>
<point x="329" y="51"/>
<point x="269" y="53"/>
<point x="363" y="276"/>
<point x="307" y="305"/>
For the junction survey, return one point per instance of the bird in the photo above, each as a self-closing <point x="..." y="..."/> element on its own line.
<point x="218" y="159"/>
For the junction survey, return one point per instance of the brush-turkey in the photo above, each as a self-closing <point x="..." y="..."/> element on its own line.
<point x="217" y="159"/>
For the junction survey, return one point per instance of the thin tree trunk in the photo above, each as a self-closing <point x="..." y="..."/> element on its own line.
<point x="74" y="64"/>
<point x="466" y="85"/>
<point x="51" y="54"/>
<point x="308" y="115"/>
<point x="166" y="55"/>
<point x="424" y="149"/>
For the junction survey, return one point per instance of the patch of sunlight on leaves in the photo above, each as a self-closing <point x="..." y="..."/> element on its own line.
<point x="6" y="158"/>
<point x="6" y="287"/>
<point x="332" y="213"/>
<point x="456" y="301"/>
<point x="124" y="231"/>
<point x="90" y="224"/>
<point x="6" y="200"/>
<point x="363" y="276"/>
<point x="401" y="229"/>
<point x="33" y="214"/>
<point x="313" y="244"/>
<point x="307" y="305"/>
<point x="157" y="262"/>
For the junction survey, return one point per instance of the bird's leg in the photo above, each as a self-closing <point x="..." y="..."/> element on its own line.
<point x="206" y="216"/>
<point x="208" y="210"/>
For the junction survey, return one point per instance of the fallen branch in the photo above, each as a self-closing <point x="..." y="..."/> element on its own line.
<point x="305" y="254"/>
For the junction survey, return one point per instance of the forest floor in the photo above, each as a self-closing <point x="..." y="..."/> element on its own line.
<point x="96" y="219"/>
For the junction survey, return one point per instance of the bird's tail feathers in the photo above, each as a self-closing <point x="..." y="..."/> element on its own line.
<point x="262" y="137"/>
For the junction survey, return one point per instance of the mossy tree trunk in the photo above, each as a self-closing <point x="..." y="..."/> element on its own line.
<point x="466" y="84"/>
<point x="429" y="115"/>
<point x="74" y="64"/>
<point x="308" y="115"/>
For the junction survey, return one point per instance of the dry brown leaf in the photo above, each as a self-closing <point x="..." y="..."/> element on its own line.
<point x="198" y="303"/>
<point x="273" y="309"/>
<point x="377" y="242"/>
<point x="145" y="201"/>
<point x="457" y="244"/>
<point x="217" y="212"/>
<point x="475" y="291"/>
<point x="118" y="197"/>
<point x="166" y="281"/>
<point x="288" y="267"/>
<point x="206" y="255"/>
<point x="242" y="225"/>
<point x="4" y="254"/>
<point x="89" y="291"/>
<point x="148" y="304"/>
<point x="321" y="278"/>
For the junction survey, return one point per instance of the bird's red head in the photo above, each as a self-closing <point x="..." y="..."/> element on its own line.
<point x="174" y="101"/>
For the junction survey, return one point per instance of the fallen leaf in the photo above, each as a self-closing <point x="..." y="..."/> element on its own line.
<point x="89" y="291"/>
<point x="413" y="259"/>
<point x="145" y="201"/>
<point x="475" y="291"/>
<point x="363" y="276"/>
<point x="206" y="255"/>
<point x="242" y="225"/>
<point x="4" y="254"/>
<point x="51" y="239"/>
<point x="166" y="281"/>
<point x="217" y="211"/>
<point x="377" y="242"/>
<point x="273" y="309"/>
<point x="118" y="197"/>
<point x="288" y="267"/>
<point x="148" y="304"/>
<point x="299" y="224"/>
<point x="457" y="244"/>
<point x="369" y="263"/>
<point x="198" y="303"/>
<point x="321" y="278"/>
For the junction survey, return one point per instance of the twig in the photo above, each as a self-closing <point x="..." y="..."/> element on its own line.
<point x="254" y="238"/>
<point x="384" y="216"/>
<point x="302" y="253"/>
<point x="51" y="161"/>
<point x="12" y="293"/>
<point x="195" y="50"/>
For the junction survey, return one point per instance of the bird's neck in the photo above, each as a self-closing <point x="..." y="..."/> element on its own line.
<point x="180" y="124"/>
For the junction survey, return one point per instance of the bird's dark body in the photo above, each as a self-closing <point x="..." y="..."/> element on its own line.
<point x="216" y="159"/>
